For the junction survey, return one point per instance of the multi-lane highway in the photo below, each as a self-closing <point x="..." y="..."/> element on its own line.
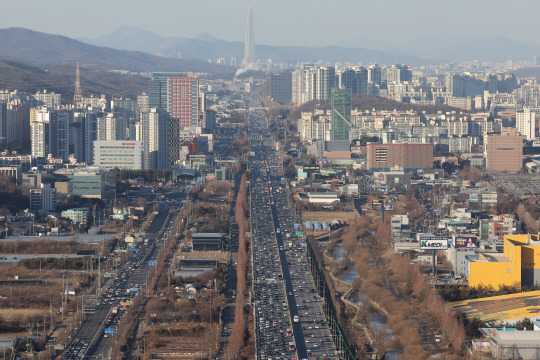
<point x="93" y="338"/>
<point x="289" y="319"/>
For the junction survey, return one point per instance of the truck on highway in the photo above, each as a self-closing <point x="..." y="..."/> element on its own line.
<point x="296" y="319"/>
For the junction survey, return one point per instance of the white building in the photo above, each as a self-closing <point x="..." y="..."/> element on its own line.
<point x="526" y="123"/>
<point x="112" y="127"/>
<point x="121" y="154"/>
<point x="43" y="198"/>
<point x="49" y="99"/>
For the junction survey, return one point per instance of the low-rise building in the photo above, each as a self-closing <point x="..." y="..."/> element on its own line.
<point x="518" y="265"/>
<point x="509" y="343"/>
<point x="207" y="241"/>
<point x="77" y="215"/>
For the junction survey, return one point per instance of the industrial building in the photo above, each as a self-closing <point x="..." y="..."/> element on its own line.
<point x="518" y="265"/>
<point x="207" y="241"/>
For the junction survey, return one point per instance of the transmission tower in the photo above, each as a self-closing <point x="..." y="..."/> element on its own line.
<point x="77" y="97"/>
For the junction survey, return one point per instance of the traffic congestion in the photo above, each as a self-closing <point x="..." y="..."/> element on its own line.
<point x="290" y="322"/>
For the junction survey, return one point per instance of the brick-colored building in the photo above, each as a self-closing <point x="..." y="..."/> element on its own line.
<point x="383" y="156"/>
<point x="504" y="151"/>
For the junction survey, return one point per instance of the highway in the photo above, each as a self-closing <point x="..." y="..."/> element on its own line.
<point x="285" y="294"/>
<point x="130" y="280"/>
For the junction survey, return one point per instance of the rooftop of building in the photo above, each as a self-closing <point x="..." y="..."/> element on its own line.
<point x="507" y="308"/>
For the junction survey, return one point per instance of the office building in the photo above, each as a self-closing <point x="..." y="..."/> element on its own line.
<point x="281" y="87"/>
<point x="88" y="185"/>
<point x="386" y="156"/>
<point x="341" y="114"/>
<point x="504" y="151"/>
<point x="118" y="154"/>
<point x="526" y="123"/>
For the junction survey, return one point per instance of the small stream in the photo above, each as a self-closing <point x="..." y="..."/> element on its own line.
<point x="377" y="321"/>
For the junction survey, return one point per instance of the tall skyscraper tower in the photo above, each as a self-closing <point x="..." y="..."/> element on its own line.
<point x="77" y="97"/>
<point x="341" y="114"/>
<point x="249" y="44"/>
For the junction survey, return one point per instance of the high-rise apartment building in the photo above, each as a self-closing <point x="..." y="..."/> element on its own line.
<point x="504" y="151"/>
<point x="398" y="74"/>
<point x="49" y="99"/>
<point x="341" y="114"/>
<point x="155" y="136"/>
<point x="526" y="123"/>
<point x="325" y="81"/>
<point x="126" y="108"/>
<point x="112" y="127"/>
<point x="3" y="126"/>
<point x="142" y="103"/>
<point x="355" y="78"/>
<point x="50" y="134"/>
<point x="312" y="83"/>
<point x="176" y="93"/>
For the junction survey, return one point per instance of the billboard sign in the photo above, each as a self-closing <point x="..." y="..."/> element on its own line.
<point x="312" y="168"/>
<point x="296" y="225"/>
<point x="385" y="204"/>
<point x="376" y="205"/>
<point x="432" y="242"/>
<point x="465" y="241"/>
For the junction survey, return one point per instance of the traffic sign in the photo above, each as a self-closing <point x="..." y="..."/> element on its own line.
<point x="133" y="289"/>
<point x="151" y="263"/>
<point x="298" y="233"/>
<point x="133" y="250"/>
<point x="296" y="225"/>
<point x="109" y="331"/>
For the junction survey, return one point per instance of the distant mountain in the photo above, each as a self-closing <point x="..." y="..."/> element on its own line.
<point x="38" y="48"/>
<point x="205" y="46"/>
<point x="61" y="79"/>
<point x="528" y="72"/>
<point x="488" y="49"/>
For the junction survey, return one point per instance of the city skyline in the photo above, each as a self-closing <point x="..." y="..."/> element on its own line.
<point x="299" y="23"/>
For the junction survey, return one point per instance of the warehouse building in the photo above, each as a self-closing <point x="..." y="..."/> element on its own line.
<point x="207" y="241"/>
<point x="518" y="265"/>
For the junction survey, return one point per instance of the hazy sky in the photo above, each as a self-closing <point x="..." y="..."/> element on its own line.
<point x="282" y="22"/>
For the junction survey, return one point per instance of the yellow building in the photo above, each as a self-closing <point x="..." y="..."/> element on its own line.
<point x="518" y="265"/>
